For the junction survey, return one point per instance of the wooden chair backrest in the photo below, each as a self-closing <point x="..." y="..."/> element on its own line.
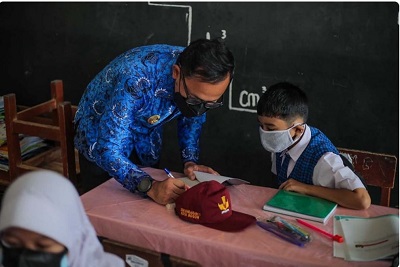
<point x="50" y="120"/>
<point x="377" y="170"/>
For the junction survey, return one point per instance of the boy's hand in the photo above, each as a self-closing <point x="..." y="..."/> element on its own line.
<point x="293" y="185"/>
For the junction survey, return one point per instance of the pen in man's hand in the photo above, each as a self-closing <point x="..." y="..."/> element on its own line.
<point x="171" y="176"/>
<point x="168" y="173"/>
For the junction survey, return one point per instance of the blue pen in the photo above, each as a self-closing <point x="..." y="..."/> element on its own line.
<point x="171" y="176"/>
<point x="168" y="173"/>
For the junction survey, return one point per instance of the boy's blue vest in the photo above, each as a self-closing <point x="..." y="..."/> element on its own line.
<point x="304" y="168"/>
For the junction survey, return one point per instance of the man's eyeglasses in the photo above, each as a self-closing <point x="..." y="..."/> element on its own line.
<point x="194" y="101"/>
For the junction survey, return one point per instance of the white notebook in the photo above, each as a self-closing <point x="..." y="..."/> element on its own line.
<point x="203" y="177"/>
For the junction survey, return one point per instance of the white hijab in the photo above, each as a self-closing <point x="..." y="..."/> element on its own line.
<point x="47" y="203"/>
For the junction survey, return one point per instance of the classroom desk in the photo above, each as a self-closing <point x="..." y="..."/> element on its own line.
<point x="125" y="217"/>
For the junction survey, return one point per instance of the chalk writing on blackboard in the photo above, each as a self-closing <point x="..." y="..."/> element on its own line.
<point x="247" y="100"/>
<point x="223" y="35"/>
<point x="188" y="16"/>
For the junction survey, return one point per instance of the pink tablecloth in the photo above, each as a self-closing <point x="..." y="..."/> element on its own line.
<point x="125" y="217"/>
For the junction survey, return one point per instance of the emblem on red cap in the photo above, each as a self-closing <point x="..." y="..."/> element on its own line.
<point x="209" y="203"/>
<point x="224" y="206"/>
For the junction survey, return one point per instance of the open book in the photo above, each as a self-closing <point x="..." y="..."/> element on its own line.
<point x="301" y="206"/>
<point x="366" y="239"/>
<point x="203" y="176"/>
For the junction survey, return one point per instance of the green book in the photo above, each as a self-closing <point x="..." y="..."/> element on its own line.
<point x="301" y="206"/>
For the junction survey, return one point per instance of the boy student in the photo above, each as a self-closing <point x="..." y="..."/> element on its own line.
<point x="303" y="158"/>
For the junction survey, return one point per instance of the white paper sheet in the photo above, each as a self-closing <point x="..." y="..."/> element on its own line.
<point x="367" y="239"/>
<point x="203" y="176"/>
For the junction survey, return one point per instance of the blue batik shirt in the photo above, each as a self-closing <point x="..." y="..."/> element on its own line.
<point x="124" y="109"/>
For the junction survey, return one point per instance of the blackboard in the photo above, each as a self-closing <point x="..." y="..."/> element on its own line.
<point x="344" y="55"/>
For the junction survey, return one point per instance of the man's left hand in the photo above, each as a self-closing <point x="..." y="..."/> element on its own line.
<point x="190" y="167"/>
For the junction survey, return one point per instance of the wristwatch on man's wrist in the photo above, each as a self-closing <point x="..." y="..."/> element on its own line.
<point x="145" y="184"/>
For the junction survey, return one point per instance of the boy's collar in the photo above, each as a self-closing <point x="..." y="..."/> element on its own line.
<point x="297" y="149"/>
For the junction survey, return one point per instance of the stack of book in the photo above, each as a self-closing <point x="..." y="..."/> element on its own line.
<point x="30" y="145"/>
<point x="2" y="123"/>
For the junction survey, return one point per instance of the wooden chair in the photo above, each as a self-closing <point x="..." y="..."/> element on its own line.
<point x="50" y="120"/>
<point x="378" y="170"/>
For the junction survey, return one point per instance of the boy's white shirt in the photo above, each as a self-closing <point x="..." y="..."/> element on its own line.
<point x="328" y="172"/>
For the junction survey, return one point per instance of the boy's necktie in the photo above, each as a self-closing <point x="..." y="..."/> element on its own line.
<point x="283" y="173"/>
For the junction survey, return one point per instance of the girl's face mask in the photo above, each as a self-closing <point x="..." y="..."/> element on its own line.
<point x="22" y="257"/>
<point x="277" y="141"/>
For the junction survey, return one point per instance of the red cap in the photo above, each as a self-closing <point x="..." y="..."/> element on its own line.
<point x="209" y="203"/>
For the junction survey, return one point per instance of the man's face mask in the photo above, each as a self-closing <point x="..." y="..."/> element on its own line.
<point x="277" y="141"/>
<point x="192" y="106"/>
<point x="22" y="257"/>
<point x="186" y="109"/>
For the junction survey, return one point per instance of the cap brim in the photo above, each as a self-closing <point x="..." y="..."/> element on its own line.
<point x="236" y="222"/>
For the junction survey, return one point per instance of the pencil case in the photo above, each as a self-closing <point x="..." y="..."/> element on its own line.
<point x="283" y="232"/>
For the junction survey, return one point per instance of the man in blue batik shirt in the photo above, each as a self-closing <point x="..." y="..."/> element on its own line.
<point x="124" y="108"/>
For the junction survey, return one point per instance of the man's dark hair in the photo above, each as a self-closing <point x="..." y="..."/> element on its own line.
<point x="284" y="101"/>
<point x="208" y="60"/>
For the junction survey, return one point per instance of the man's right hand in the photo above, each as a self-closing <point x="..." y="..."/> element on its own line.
<point x="164" y="192"/>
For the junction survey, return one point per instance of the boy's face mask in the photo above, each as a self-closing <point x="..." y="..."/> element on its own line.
<point x="277" y="141"/>
<point x="22" y="257"/>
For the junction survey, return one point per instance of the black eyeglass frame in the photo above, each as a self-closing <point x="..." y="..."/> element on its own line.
<point x="195" y="101"/>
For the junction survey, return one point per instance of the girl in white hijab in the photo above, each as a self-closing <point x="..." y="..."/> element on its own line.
<point x="43" y="223"/>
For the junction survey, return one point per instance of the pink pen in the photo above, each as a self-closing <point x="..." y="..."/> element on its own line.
<point x="336" y="238"/>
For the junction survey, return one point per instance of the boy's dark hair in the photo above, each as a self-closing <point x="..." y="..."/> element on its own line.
<point x="208" y="60"/>
<point x="284" y="101"/>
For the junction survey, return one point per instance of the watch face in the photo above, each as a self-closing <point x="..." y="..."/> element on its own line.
<point x="144" y="185"/>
